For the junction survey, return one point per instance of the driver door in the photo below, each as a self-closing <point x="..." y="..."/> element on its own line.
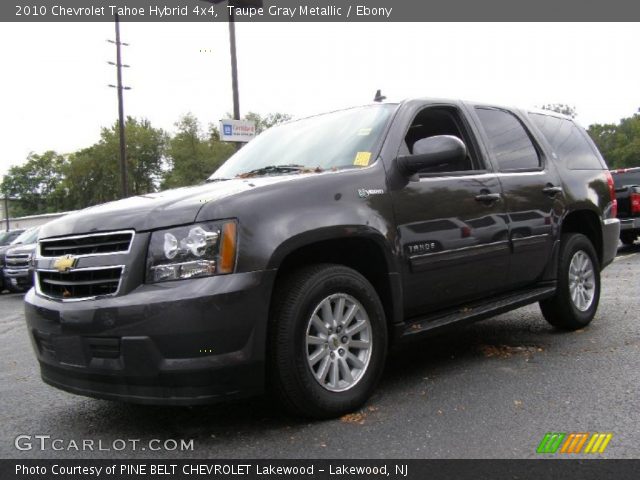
<point x="451" y="222"/>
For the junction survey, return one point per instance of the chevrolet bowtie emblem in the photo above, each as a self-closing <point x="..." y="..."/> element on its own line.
<point x="65" y="263"/>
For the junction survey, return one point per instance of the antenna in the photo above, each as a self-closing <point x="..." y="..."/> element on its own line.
<point x="379" y="97"/>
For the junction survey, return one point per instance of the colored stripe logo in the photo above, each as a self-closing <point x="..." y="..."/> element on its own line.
<point x="556" y="442"/>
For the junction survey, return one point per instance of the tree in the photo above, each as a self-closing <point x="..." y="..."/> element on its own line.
<point x="91" y="177"/>
<point x="145" y="151"/>
<point x="35" y="185"/>
<point x="562" y="108"/>
<point x="619" y="143"/>
<point x="268" y="121"/>
<point x="603" y="135"/>
<point x="98" y="165"/>
<point x="50" y="182"/>
<point x="193" y="155"/>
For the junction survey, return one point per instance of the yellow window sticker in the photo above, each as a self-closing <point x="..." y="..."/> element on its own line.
<point x="362" y="159"/>
<point x="364" y="132"/>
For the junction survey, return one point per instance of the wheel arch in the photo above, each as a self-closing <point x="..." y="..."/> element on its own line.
<point x="588" y="223"/>
<point x="365" y="250"/>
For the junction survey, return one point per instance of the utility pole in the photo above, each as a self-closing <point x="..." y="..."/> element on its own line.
<point x="232" y="48"/>
<point x="5" y="201"/>
<point x="234" y="66"/>
<point x="120" y="88"/>
<point x="234" y="69"/>
<point x="6" y="210"/>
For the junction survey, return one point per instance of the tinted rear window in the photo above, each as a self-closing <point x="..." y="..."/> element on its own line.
<point x="628" y="178"/>
<point x="508" y="140"/>
<point x="569" y="142"/>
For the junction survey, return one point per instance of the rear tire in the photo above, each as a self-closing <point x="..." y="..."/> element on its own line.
<point x="576" y="300"/>
<point x="628" y="238"/>
<point x="328" y="341"/>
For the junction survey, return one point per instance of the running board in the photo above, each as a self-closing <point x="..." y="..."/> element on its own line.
<point x="474" y="312"/>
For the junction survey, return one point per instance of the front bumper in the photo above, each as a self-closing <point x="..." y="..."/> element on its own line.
<point x="610" y="236"/>
<point x="174" y="343"/>
<point x="18" y="277"/>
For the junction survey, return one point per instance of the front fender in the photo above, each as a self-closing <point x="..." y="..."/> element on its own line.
<point x="275" y="219"/>
<point x="334" y="232"/>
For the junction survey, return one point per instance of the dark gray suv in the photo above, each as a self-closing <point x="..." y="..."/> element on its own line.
<point x="315" y="247"/>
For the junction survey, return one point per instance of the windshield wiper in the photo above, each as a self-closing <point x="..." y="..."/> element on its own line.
<point x="271" y="169"/>
<point x="219" y="179"/>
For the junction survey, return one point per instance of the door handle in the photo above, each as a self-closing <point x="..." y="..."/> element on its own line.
<point x="488" y="197"/>
<point x="551" y="190"/>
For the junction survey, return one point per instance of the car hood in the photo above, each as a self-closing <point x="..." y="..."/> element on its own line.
<point x="5" y="248"/>
<point x="155" y="210"/>
<point x="15" y="249"/>
<point x="20" y="249"/>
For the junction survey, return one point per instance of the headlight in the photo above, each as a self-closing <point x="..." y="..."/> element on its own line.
<point x="197" y="250"/>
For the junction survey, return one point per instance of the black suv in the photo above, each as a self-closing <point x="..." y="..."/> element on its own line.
<point x="317" y="246"/>
<point x="627" y="183"/>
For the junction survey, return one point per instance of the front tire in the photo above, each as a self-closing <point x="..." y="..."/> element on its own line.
<point x="576" y="300"/>
<point x="328" y="341"/>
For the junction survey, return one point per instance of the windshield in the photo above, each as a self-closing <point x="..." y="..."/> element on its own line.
<point x="343" y="139"/>
<point x="7" y="237"/>
<point x="27" y="237"/>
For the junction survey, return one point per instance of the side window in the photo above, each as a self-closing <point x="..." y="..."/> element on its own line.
<point x="568" y="142"/>
<point x="434" y="121"/>
<point x="508" y="140"/>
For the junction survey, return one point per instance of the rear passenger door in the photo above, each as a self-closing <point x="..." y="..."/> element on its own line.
<point x="531" y="189"/>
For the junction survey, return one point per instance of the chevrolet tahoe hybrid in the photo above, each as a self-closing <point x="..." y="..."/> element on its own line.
<point x="316" y="247"/>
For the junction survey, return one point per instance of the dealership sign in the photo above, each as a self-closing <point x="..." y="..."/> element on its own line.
<point x="237" y="130"/>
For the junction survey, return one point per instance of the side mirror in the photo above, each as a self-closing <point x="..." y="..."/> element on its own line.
<point x="432" y="151"/>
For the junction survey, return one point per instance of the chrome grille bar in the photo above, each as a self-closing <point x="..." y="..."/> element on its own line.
<point x="102" y="243"/>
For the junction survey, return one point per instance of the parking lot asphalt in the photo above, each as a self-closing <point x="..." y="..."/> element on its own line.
<point x="488" y="390"/>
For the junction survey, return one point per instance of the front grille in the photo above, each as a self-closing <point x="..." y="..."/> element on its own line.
<point x="17" y="260"/>
<point x="91" y="244"/>
<point x="82" y="283"/>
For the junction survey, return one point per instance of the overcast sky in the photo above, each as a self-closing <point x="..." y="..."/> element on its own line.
<point x="54" y="75"/>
